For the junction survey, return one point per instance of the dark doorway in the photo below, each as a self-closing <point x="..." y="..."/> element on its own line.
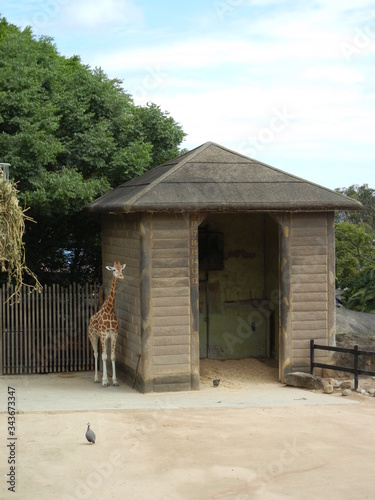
<point x="238" y="275"/>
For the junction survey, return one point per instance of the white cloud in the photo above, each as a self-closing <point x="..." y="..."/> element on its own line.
<point x="337" y="74"/>
<point x="322" y="125"/>
<point x="97" y="14"/>
<point x="210" y="52"/>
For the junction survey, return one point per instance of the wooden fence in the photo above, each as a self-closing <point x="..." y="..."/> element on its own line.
<point x="356" y="352"/>
<point x="47" y="332"/>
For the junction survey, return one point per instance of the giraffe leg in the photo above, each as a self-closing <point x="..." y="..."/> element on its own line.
<point x="94" y="344"/>
<point x="104" y="359"/>
<point x="96" y="354"/>
<point x="113" y="359"/>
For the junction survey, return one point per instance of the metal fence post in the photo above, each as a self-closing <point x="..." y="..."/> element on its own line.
<point x="312" y="356"/>
<point x="2" y="300"/>
<point x="355" y="367"/>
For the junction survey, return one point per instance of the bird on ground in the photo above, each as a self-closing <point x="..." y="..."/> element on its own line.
<point x="216" y="382"/>
<point x="90" y="434"/>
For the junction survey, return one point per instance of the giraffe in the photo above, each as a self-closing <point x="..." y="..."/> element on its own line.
<point x="103" y="325"/>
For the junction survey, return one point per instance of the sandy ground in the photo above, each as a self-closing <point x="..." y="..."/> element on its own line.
<point x="324" y="452"/>
<point x="315" y="446"/>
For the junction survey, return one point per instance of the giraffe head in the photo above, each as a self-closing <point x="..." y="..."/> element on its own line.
<point x="117" y="270"/>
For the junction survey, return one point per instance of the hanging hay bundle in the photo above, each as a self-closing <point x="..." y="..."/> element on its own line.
<point x="12" y="228"/>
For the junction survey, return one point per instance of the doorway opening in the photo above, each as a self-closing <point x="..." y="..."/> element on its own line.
<point x="238" y="286"/>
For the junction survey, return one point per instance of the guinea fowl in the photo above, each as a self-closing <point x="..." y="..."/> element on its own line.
<point x="216" y="382"/>
<point x="90" y="434"/>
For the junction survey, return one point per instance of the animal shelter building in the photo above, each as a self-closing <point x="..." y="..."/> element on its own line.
<point x="226" y="258"/>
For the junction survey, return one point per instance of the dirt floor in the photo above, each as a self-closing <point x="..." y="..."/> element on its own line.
<point x="314" y="450"/>
<point x="267" y="453"/>
<point x="236" y="374"/>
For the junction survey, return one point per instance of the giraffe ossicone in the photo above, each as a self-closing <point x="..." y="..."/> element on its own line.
<point x="103" y="326"/>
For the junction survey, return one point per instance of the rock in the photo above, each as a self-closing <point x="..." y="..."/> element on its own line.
<point x="328" y="389"/>
<point x="354" y="322"/>
<point x="354" y="327"/>
<point x="346" y="392"/>
<point x="305" y="380"/>
<point x="327" y="373"/>
<point x="326" y="381"/>
<point x="347" y="384"/>
<point x="330" y="381"/>
<point x="371" y="392"/>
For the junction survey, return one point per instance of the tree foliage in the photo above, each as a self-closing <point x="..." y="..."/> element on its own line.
<point x="355" y="251"/>
<point x="70" y="133"/>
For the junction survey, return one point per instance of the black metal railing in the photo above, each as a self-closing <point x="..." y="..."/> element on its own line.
<point x="356" y="352"/>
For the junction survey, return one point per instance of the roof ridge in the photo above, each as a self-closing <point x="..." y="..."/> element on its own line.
<point x="306" y="181"/>
<point x="169" y="172"/>
<point x="299" y="179"/>
<point x="155" y="192"/>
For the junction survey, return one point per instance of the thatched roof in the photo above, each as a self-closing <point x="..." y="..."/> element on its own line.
<point x="214" y="178"/>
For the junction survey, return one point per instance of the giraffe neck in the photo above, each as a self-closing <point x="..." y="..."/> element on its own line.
<point x="110" y="302"/>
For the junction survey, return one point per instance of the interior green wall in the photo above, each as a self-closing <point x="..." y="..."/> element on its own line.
<point x="241" y="296"/>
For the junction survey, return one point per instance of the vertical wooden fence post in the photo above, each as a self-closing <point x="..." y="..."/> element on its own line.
<point x="47" y="332"/>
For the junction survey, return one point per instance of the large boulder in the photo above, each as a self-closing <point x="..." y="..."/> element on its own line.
<point x="305" y="380"/>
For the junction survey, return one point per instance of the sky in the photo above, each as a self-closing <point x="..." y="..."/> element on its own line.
<point x="289" y="83"/>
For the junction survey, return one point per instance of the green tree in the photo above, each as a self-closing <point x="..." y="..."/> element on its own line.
<point x="354" y="248"/>
<point x="70" y="133"/>
<point x="355" y="252"/>
<point x="366" y="196"/>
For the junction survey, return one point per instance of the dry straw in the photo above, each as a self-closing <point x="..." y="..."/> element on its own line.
<point x="12" y="247"/>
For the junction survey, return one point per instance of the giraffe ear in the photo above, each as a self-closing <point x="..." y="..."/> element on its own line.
<point x="110" y="268"/>
<point x="123" y="267"/>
